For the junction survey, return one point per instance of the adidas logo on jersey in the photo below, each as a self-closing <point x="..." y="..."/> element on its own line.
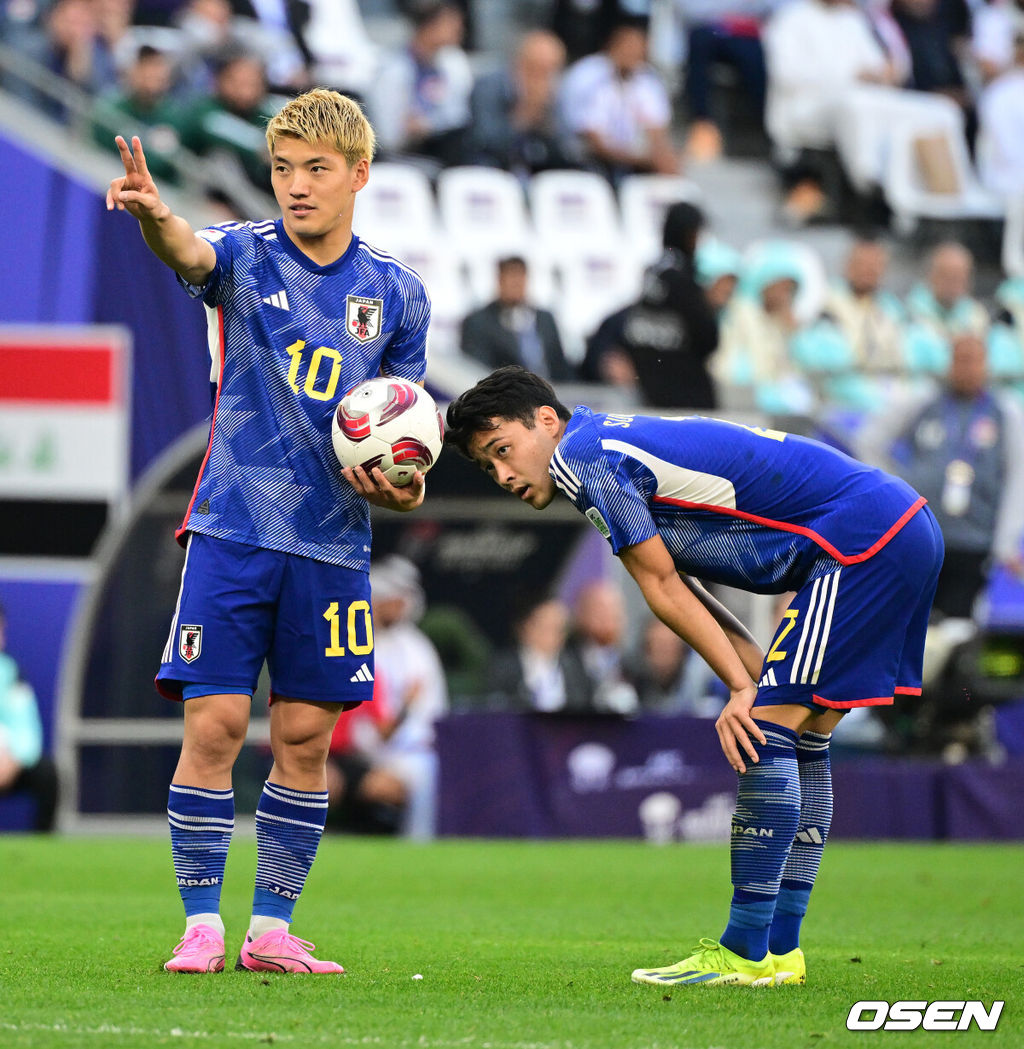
<point x="278" y="299"/>
<point x="362" y="674"/>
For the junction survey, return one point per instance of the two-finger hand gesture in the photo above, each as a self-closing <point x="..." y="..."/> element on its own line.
<point x="135" y="191"/>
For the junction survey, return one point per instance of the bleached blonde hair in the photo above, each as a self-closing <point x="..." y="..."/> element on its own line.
<point x="322" y="115"/>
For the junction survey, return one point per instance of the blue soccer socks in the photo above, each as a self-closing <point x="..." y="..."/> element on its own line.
<point x="766" y="819"/>
<point x="289" y="825"/>
<point x="805" y="856"/>
<point x="201" y="823"/>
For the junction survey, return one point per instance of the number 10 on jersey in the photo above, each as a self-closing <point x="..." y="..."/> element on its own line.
<point x="358" y="621"/>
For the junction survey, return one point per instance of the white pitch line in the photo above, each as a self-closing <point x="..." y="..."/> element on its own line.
<point x="331" y="1038"/>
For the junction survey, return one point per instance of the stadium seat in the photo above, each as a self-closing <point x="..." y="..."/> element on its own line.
<point x="643" y="200"/>
<point x="396" y="207"/>
<point x="573" y="210"/>
<point x="450" y="299"/>
<point x="1013" y="237"/>
<point x="1005" y="354"/>
<point x="483" y="211"/>
<point x="929" y="175"/>
<point x="594" y="284"/>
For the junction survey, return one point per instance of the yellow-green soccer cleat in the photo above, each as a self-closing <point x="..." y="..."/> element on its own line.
<point x="789" y="967"/>
<point x="711" y="963"/>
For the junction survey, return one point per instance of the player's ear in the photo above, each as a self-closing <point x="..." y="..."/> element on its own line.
<point x="360" y="174"/>
<point x="547" y="417"/>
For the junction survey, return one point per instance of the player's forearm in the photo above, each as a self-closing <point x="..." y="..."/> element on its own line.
<point x="174" y="243"/>
<point x="680" y="609"/>
<point x="739" y="636"/>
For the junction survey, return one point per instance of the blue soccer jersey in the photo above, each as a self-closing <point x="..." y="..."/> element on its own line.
<point x="288" y="339"/>
<point x="760" y="510"/>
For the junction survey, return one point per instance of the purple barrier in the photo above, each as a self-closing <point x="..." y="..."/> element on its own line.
<point x="982" y="801"/>
<point x="549" y="776"/>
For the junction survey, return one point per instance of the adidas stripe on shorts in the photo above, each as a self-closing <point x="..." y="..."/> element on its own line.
<point x="240" y="605"/>
<point x="854" y="637"/>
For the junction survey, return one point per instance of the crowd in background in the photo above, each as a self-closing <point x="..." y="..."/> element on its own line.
<point x="927" y="383"/>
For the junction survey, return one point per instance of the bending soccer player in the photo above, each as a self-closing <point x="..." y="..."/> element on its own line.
<point x="764" y="511"/>
<point x="278" y="537"/>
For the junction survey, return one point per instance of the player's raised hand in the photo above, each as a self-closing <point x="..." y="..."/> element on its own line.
<point x="375" y="488"/>
<point x="135" y="191"/>
<point x="735" y="727"/>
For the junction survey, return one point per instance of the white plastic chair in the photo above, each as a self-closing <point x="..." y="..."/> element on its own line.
<point x="396" y="203"/>
<point x="594" y="284"/>
<point x="1013" y="237"/>
<point x="572" y="209"/>
<point x="483" y="210"/>
<point x="450" y="297"/>
<point x="907" y="193"/>
<point x="643" y="200"/>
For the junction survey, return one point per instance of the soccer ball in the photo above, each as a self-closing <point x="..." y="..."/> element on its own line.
<point x="388" y="423"/>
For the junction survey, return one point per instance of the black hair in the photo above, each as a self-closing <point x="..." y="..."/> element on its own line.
<point x="683" y="221"/>
<point x="510" y="261"/>
<point x="511" y="392"/>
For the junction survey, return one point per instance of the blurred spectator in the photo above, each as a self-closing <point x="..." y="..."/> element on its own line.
<point x="815" y="52"/>
<point x="1001" y="127"/>
<point x="964" y="451"/>
<point x="72" y="45"/>
<point x="942" y="304"/>
<point x="417" y="689"/>
<point x="419" y="102"/>
<point x="716" y="34"/>
<point x="270" y="30"/>
<point x="584" y="25"/>
<point x="538" y="672"/>
<point x="718" y="272"/>
<point x="143" y="106"/>
<point x="869" y="316"/>
<point x="515" y="120"/>
<point x="341" y="54"/>
<point x="510" y="330"/>
<point x="23" y="765"/>
<point x="619" y="108"/>
<point x="757" y="337"/>
<point x="598" y="638"/>
<point x="932" y="29"/>
<point x="233" y="119"/>
<point x="672" y="331"/>
<point x="670" y="678"/>
<point x="994" y="24"/>
<point x="605" y="359"/>
<point x="363" y="797"/>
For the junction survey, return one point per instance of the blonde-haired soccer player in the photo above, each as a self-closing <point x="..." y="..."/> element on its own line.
<point x="277" y="536"/>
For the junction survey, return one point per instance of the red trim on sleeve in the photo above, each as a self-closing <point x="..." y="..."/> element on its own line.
<point x="183" y="527"/>
<point x="815" y="537"/>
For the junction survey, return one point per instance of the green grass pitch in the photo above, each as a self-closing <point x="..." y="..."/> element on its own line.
<point x="521" y="945"/>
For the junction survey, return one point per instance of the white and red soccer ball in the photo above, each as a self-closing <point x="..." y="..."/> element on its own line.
<point x="388" y="423"/>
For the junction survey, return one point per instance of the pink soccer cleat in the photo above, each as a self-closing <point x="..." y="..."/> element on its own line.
<point x="278" y="951"/>
<point x="201" y="951"/>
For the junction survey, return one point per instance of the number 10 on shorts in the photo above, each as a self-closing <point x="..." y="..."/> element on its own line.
<point x="358" y="623"/>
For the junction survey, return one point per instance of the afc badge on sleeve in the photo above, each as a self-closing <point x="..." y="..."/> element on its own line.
<point x="363" y="317"/>
<point x="190" y="642"/>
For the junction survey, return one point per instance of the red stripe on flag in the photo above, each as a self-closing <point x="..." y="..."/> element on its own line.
<point x="82" y="374"/>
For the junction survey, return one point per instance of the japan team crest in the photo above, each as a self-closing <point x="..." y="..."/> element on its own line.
<point x="363" y="317"/>
<point x="190" y="642"/>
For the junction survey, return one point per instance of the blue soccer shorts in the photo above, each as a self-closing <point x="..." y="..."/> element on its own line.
<point x="240" y="605"/>
<point x="855" y="636"/>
